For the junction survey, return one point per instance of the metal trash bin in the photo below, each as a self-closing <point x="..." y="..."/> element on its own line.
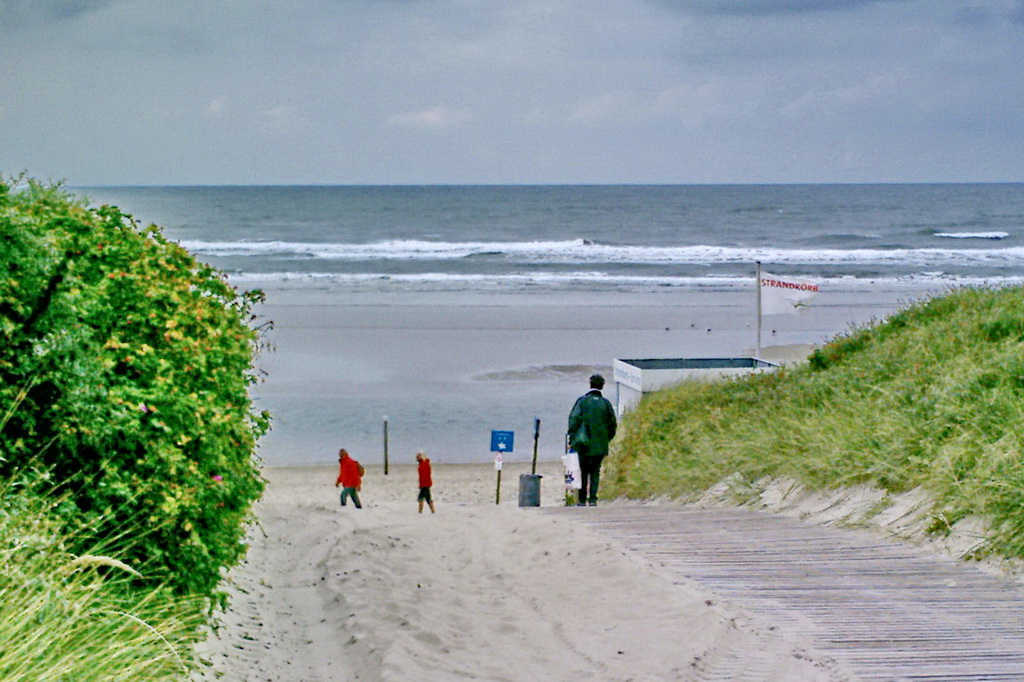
<point x="529" y="490"/>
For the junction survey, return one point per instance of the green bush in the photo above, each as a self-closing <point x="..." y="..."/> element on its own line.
<point x="124" y="375"/>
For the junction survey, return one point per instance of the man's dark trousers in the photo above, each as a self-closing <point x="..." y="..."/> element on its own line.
<point x="590" y="478"/>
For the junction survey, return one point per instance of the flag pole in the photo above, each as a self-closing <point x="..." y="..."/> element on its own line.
<point x="757" y="290"/>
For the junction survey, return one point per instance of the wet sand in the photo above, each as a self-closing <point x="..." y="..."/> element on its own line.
<point x="446" y="369"/>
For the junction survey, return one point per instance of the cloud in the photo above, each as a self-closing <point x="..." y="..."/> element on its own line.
<point x="282" y="119"/>
<point x="218" y="106"/>
<point x="981" y="16"/>
<point x="767" y="7"/>
<point x="540" y="90"/>
<point x="854" y="95"/>
<point x="434" y="118"/>
<point x="689" y="105"/>
<point x="21" y="10"/>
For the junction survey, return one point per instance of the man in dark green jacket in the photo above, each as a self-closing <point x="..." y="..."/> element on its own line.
<point x="591" y="426"/>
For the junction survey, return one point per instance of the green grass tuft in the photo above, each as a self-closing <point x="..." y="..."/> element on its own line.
<point x="68" y="618"/>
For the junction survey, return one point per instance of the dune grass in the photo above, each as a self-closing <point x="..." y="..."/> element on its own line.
<point x="67" y="617"/>
<point x="932" y="397"/>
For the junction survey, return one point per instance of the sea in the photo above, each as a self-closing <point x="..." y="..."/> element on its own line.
<point x="451" y="311"/>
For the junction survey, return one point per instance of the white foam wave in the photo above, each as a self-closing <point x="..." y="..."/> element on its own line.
<point x="402" y="249"/>
<point x="514" y="278"/>
<point x="601" y="279"/>
<point x="972" y="235"/>
<point x="583" y="252"/>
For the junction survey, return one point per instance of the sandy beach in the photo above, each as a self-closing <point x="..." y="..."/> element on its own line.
<point x="478" y="590"/>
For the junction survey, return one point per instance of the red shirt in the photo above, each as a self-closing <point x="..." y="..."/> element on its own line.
<point x="348" y="473"/>
<point x="425" y="481"/>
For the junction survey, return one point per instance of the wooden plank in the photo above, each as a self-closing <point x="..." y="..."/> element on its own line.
<point x="882" y="609"/>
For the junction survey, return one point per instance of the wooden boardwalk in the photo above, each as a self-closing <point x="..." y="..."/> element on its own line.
<point x="883" y="610"/>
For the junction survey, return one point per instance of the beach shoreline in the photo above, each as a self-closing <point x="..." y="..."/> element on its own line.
<point x="446" y="369"/>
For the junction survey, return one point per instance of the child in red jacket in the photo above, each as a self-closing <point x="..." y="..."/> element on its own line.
<point x="425" y="482"/>
<point x="350" y="478"/>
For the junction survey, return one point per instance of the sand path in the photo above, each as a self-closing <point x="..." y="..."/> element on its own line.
<point x="477" y="591"/>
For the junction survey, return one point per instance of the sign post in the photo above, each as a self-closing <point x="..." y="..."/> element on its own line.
<point x="385" y="445"/>
<point x="536" y="438"/>
<point x="501" y="442"/>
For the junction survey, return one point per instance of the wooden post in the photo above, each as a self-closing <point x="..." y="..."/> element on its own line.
<point x="497" y="491"/>
<point x="385" y="445"/>
<point x="536" y="437"/>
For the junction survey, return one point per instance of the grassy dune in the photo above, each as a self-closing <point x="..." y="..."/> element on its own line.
<point x="932" y="397"/>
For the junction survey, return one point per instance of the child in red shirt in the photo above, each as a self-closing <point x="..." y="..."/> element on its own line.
<point x="425" y="482"/>
<point x="350" y="478"/>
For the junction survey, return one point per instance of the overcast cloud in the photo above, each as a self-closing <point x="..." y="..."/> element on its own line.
<point x="544" y="91"/>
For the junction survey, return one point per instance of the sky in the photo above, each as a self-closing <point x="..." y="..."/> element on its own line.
<point x="195" y="92"/>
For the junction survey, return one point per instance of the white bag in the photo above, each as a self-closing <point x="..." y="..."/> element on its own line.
<point x="572" y="471"/>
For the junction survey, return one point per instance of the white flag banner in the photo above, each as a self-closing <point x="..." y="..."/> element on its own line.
<point x="780" y="295"/>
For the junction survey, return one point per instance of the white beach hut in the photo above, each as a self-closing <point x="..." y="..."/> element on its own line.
<point x="635" y="377"/>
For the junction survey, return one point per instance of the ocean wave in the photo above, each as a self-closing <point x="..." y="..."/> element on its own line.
<point x="586" y="252"/>
<point x="600" y="280"/>
<point x="972" y="235"/>
<point x="399" y="249"/>
<point x="482" y="279"/>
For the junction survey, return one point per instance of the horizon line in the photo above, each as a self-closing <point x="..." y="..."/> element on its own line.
<point x="327" y="185"/>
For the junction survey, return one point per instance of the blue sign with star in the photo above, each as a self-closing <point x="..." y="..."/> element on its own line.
<point x="502" y="441"/>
